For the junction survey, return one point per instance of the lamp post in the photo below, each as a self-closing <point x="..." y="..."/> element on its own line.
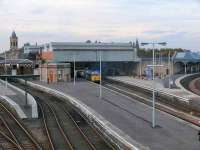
<point x="169" y="69"/>
<point x="74" y="70"/>
<point x="100" y="82"/>
<point x="153" y="102"/>
<point x="5" y="69"/>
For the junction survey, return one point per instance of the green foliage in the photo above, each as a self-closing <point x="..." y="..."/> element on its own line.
<point x="145" y="53"/>
<point x="43" y="61"/>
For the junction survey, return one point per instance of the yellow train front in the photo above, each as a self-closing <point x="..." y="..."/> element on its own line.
<point x="93" y="75"/>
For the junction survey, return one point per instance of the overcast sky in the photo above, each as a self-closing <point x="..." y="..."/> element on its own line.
<point x="174" y="21"/>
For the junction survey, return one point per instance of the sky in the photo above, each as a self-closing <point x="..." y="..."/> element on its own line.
<point x="175" y="21"/>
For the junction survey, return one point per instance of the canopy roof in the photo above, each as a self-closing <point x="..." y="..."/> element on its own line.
<point x="187" y="56"/>
<point x="90" y="46"/>
<point x="16" y="61"/>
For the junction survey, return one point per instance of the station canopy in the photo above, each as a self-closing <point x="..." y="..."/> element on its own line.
<point x="15" y="61"/>
<point x="187" y="57"/>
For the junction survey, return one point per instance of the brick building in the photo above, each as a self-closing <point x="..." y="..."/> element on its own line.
<point x="55" y="72"/>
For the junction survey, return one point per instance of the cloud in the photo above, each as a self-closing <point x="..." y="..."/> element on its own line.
<point x="109" y="20"/>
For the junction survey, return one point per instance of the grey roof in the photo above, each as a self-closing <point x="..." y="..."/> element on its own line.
<point x="16" y="61"/>
<point x="90" y="46"/>
<point x="14" y="35"/>
<point x="187" y="56"/>
<point x="33" y="46"/>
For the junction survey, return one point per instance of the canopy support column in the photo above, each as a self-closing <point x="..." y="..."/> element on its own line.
<point x="185" y="68"/>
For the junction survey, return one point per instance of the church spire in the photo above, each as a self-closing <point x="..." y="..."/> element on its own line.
<point x="13" y="41"/>
<point x="137" y="45"/>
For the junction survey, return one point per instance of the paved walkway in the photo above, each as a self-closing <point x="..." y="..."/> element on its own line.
<point x="17" y="100"/>
<point x="133" y="117"/>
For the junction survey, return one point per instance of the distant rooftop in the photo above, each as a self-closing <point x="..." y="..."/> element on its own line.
<point x="16" y="61"/>
<point x="187" y="56"/>
<point x="90" y="46"/>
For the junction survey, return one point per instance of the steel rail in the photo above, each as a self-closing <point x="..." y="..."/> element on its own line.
<point x="97" y="132"/>
<point x="79" y="129"/>
<point x="46" y="127"/>
<point x="59" y="126"/>
<point x="31" y="138"/>
<point x="162" y="107"/>
<point x="10" y="140"/>
<point x="11" y="133"/>
<point x="137" y="84"/>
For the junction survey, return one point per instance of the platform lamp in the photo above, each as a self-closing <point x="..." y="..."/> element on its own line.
<point x="100" y="72"/>
<point x="5" y="65"/>
<point x="153" y="103"/>
<point x="74" y="59"/>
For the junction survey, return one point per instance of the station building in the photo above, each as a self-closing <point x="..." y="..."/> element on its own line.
<point x="145" y="65"/>
<point x="181" y="63"/>
<point x="17" y="67"/>
<point x="28" y="48"/>
<point x="55" y="72"/>
<point x="186" y="62"/>
<point x="117" y="58"/>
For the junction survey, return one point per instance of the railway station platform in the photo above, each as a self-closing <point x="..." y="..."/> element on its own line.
<point x="16" y="99"/>
<point x="159" y="85"/>
<point x="131" y="117"/>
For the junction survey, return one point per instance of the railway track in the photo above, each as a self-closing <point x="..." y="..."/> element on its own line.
<point x="161" y="104"/>
<point x="15" y="132"/>
<point x="61" y="121"/>
<point x="54" y="128"/>
<point x="7" y="136"/>
<point x="194" y="86"/>
<point x="90" y="134"/>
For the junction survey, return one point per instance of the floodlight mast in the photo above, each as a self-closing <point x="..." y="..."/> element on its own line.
<point x="153" y="97"/>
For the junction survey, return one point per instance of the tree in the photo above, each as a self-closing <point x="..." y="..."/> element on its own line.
<point x="88" y="41"/>
<point x="164" y="51"/>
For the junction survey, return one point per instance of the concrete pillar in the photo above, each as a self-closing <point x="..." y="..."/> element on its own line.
<point x="198" y="67"/>
<point x="185" y="68"/>
<point x="140" y="68"/>
<point x="14" y="72"/>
